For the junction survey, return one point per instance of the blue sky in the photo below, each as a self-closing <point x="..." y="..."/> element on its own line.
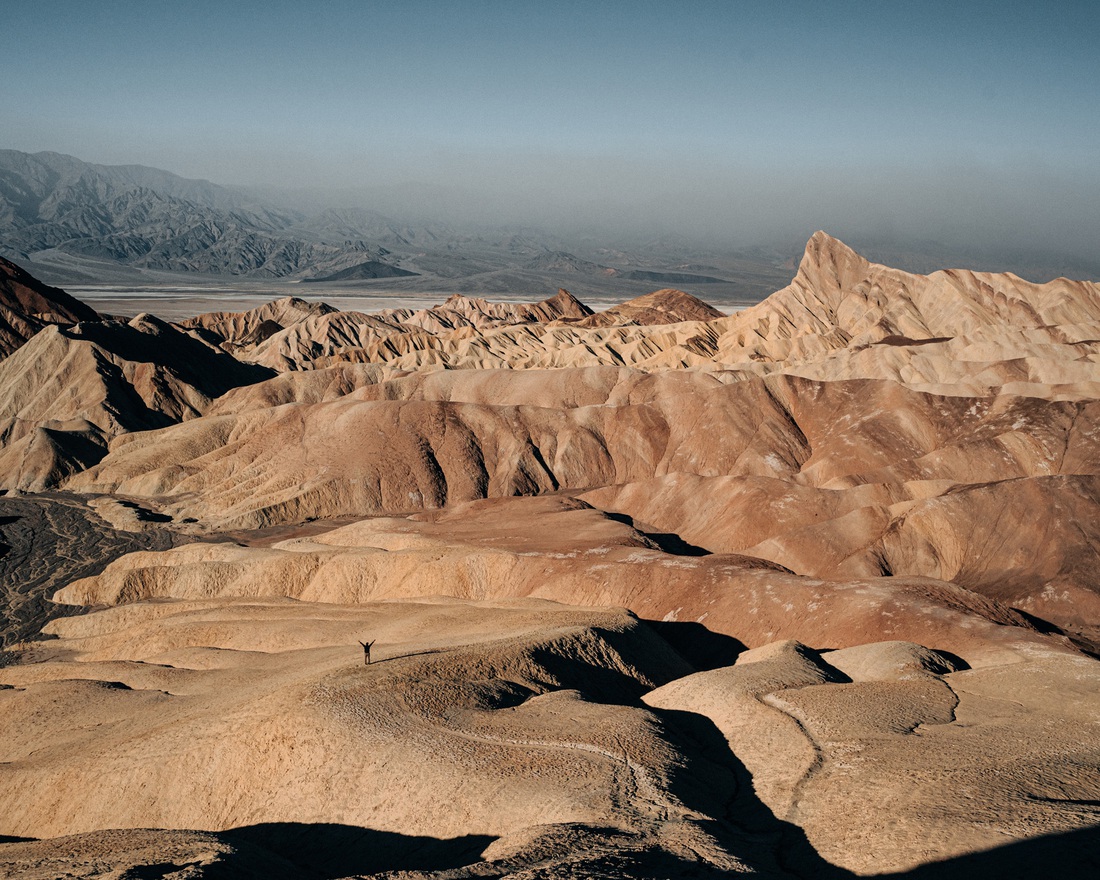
<point x="742" y="115"/>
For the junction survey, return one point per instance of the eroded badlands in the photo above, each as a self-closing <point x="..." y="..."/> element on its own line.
<point x="805" y="591"/>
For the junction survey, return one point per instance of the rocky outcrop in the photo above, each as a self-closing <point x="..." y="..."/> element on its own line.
<point x="667" y="306"/>
<point x="66" y="392"/>
<point x="950" y="333"/>
<point x="27" y="305"/>
<point x="237" y="330"/>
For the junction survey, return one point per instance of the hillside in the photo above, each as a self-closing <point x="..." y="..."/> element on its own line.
<point x="150" y="219"/>
<point x="520" y="589"/>
<point x="27" y="306"/>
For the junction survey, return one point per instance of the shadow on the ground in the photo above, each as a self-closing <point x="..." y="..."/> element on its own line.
<point x="718" y="784"/>
<point x="1071" y="855"/>
<point x="668" y="542"/>
<point x="701" y="647"/>
<point x="378" y="660"/>
<point x="672" y="543"/>
<point x="325" y="851"/>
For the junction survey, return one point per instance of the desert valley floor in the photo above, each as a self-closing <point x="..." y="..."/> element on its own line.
<point x="807" y="591"/>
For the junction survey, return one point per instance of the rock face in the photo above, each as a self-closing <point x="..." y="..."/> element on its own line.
<point x="807" y="590"/>
<point x="66" y="392"/>
<point x="661" y="307"/>
<point x="27" y="305"/>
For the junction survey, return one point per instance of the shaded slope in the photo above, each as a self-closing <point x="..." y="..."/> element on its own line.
<point x="68" y="388"/>
<point x="367" y="453"/>
<point x="27" y="305"/>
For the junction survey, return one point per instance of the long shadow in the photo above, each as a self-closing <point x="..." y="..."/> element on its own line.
<point x="716" y="783"/>
<point x="1078" y="640"/>
<point x="669" y="542"/>
<point x="672" y="543"/>
<point x="701" y="647"/>
<point x="326" y="851"/>
<point x="1070" y="855"/>
<point x="143" y="514"/>
<point x="411" y="654"/>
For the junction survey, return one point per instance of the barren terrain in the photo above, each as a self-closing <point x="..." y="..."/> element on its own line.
<point x="807" y="590"/>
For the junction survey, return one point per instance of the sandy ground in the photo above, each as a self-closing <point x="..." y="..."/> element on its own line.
<point x="526" y="738"/>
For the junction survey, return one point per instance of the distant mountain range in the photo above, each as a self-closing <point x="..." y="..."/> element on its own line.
<point x="73" y="222"/>
<point x="77" y="222"/>
<point x="151" y="219"/>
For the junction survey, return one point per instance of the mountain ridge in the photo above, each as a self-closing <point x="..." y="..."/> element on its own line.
<point x="27" y="306"/>
<point x="805" y="590"/>
<point x="153" y="219"/>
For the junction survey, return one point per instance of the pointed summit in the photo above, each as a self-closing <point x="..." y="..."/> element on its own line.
<point x="565" y="305"/>
<point x="828" y="254"/>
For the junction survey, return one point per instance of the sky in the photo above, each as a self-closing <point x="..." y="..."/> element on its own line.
<point x="733" y="121"/>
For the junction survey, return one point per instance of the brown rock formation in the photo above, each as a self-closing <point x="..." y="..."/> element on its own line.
<point x="27" y="305"/>
<point x="68" y="390"/>
<point x="854" y="527"/>
<point x="247" y="329"/>
<point x="667" y="306"/>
